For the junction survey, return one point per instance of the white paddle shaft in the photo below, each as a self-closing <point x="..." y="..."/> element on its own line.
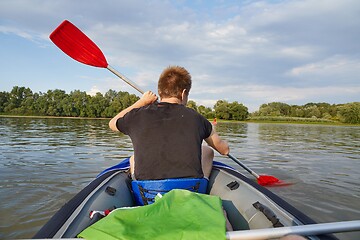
<point x="305" y="230"/>
<point x="128" y="81"/>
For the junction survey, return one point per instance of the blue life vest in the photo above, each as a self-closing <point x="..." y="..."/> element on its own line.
<point x="145" y="190"/>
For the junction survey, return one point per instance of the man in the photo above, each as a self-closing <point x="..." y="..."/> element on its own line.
<point x="167" y="136"/>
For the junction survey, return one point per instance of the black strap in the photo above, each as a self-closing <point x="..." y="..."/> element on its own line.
<point x="269" y="214"/>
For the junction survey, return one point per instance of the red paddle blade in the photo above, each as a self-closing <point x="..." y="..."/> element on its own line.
<point x="265" y="180"/>
<point x="77" y="45"/>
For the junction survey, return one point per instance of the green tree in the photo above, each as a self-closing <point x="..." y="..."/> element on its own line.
<point x="126" y="99"/>
<point x="16" y="97"/>
<point x="68" y="107"/>
<point x="312" y="111"/>
<point x="297" y="111"/>
<point x="118" y="101"/>
<point x="98" y="104"/>
<point x="4" y="99"/>
<point x="350" y="113"/>
<point x="80" y="100"/>
<point x="192" y="104"/>
<point x="238" y="111"/>
<point x="206" y="111"/>
<point x="230" y="111"/>
<point x="51" y="103"/>
<point x="110" y="95"/>
<point x="113" y="106"/>
<point x="275" y="109"/>
<point x="27" y="105"/>
<point x="221" y="108"/>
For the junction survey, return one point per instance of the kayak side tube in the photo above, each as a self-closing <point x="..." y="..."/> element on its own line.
<point x="107" y="190"/>
<point x="251" y="206"/>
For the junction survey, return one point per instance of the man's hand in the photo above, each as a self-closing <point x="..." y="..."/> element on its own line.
<point x="148" y="98"/>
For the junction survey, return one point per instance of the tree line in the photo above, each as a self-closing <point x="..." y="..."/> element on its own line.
<point x="22" y="101"/>
<point x="346" y="113"/>
<point x="222" y="110"/>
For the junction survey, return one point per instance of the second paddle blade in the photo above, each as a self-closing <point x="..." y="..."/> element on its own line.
<point x="271" y="181"/>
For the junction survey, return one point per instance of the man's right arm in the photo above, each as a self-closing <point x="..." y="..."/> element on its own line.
<point x="146" y="99"/>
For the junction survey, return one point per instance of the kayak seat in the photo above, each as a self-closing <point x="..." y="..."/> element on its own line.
<point x="144" y="191"/>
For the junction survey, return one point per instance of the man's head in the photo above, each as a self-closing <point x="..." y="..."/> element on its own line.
<point x="174" y="81"/>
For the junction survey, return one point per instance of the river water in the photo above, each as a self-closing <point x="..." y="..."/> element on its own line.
<point x="44" y="162"/>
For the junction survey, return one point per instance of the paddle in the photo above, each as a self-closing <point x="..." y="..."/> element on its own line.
<point x="305" y="230"/>
<point x="78" y="46"/>
<point x="264" y="180"/>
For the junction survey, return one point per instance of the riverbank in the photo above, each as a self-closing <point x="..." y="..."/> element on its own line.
<point x="289" y="120"/>
<point x="274" y="120"/>
<point x="51" y="117"/>
<point x="305" y="123"/>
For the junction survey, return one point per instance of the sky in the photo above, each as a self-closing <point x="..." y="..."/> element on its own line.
<point x="252" y="52"/>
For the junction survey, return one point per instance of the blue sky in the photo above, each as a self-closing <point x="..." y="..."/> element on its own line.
<point x="253" y="52"/>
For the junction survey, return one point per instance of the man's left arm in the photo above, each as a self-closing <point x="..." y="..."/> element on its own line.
<point x="217" y="143"/>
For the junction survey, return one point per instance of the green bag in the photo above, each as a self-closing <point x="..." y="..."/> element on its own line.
<point x="179" y="214"/>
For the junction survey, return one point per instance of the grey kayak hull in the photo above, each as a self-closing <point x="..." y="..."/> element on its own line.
<point x="248" y="205"/>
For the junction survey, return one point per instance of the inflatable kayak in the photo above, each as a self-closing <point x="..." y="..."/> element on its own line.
<point x="248" y="205"/>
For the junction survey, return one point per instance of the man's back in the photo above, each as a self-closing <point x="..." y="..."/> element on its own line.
<point x="167" y="143"/>
<point x="167" y="140"/>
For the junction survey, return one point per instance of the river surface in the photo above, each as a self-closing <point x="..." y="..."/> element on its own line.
<point x="44" y="162"/>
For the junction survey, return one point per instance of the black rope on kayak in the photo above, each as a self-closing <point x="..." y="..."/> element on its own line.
<point x="269" y="214"/>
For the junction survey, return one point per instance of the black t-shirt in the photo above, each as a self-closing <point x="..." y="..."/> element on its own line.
<point x="167" y="140"/>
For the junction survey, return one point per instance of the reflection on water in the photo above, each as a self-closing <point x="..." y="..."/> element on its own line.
<point x="44" y="162"/>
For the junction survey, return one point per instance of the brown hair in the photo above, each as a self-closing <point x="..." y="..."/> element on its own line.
<point x="173" y="80"/>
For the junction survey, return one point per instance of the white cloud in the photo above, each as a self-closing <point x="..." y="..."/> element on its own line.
<point x="335" y="66"/>
<point x="300" y="52"/>
<point x="291" y="94"/>
<point x="93" y="91"/>
<point x="17" y="31"/>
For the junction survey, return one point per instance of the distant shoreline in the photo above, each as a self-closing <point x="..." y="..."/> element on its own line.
<point x="51" y="117"/>
<point x="305" y="123"/>
<point x="218" y="121"/>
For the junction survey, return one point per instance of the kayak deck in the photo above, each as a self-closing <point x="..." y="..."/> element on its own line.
<point x="248" y="205"/>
